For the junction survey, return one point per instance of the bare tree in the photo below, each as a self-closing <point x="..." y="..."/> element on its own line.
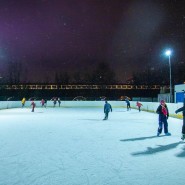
<point x="14" y="72"/>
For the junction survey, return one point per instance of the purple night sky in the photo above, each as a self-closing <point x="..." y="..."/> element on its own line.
<point x="49" y="36"/>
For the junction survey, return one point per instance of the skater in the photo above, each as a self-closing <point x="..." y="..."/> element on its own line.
<point x="138" y="104"/>
<point x="23" y="102"/>
<point x="182" y="109"/>
<point x="59" y="102"/>
<point x="128" y="104"/>
<point x="54" y="102"/>
<point x="162" y="110"/>
<point x="107" y="109"/>
<point x="42" y="102"/>
<point x="33" y="106"/>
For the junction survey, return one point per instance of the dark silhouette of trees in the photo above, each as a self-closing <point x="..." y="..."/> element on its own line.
<point x="62" y="78"/>
<point x="103" y="74"/>
<point x="15" y="71"/>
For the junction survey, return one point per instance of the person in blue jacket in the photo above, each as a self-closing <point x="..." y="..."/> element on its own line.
<point x="128" y="104"/>
<point x="107" y="109"/>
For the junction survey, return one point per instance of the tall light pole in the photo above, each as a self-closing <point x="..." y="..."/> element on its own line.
<point x="168" y="53"/>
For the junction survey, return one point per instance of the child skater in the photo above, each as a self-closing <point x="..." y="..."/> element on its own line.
<point x="33" y="105"/>
<point x="162" y="110"/>
<point x="138" y="104"/>
<point x="107" y="109"/>
<point x="42" y="102"/>
<point x="23" y="102"/>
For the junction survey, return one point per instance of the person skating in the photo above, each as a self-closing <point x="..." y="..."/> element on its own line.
<point x="138" y="104"/>
<point x="128" y="104"/>
<point x="162" y="110"/>
<point x="42" y="102"/>
<point x="107" y="109"/>
<point x="59" y="102"/>
<point x="33" y="106"/>
<point x="54" y="102"/>
<point x="182" y="109"/>
<point x="23" y="102"/>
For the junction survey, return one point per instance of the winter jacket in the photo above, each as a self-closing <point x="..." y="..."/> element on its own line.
<point x="127" y="101"/>
<point x="107" y="107"/>
<point x="138" y="104"/>
<point x="33" y="104"/>
<point x="162" y="111"/>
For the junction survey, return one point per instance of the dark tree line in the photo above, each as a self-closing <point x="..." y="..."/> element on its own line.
<point x="102" y="74"/>
<point x="160" y="75"/>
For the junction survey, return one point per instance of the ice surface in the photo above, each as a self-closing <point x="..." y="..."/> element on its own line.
<point x="74" y="146"/>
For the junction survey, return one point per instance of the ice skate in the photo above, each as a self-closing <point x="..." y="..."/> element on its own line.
<point x="168" y="134"/>
<point x="183" y="136"/>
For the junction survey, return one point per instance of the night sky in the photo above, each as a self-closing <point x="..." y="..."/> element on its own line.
<point x="49" y="36"/>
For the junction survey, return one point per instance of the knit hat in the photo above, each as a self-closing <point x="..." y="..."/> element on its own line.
<point x="162" y="101"/>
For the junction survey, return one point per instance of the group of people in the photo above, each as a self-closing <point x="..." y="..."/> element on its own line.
<point x="55" y="100"/>
<point x="33" y="105"/>
<point x="108" y="107"/>
<point x="163" y="112"/>
<point x="138" y="104"/>
<point x="43" y="103"/>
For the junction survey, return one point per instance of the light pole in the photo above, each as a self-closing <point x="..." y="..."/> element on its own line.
<point x="168" y="53"/>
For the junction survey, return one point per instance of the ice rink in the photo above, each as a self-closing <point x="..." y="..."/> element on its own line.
<point x="74" y="146"/>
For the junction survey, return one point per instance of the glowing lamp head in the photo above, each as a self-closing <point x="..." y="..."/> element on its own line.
<point x="168" y="53"/>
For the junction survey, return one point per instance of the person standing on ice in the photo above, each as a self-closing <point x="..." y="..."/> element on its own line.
<point x="182" y="109"/>
<point x="42" y="102"/>
<point x="128" y="104"/>
<point x="54" y="102"/>
<point x="162" y="110"/>
<point x="59" y="102"/>
<point x="107" y="109"/>
<point x="23" y="102"/>
<point x="33" y="105"/>
<point x="138" y="104"/>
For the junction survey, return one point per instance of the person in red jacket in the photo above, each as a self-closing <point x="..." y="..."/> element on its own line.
<point x="162" y="110"/>
<point x="33" y="106"/>
<point x="42" y="102"/>
<point x="138" y="104"/>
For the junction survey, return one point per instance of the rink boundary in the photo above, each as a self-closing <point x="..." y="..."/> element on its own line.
<point x="147" y="106"/>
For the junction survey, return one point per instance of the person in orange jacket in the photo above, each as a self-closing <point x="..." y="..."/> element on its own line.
<point x="138" y="104"/>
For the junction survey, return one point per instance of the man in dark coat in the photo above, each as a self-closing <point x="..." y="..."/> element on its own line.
<point x="128" y="104"/>
<point x="107" y="109"/>
<point x="182" y="109"/>
<point x="162" y="110"/>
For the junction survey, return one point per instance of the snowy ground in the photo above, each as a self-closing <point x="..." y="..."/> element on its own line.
<point x="73" y="146"/>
